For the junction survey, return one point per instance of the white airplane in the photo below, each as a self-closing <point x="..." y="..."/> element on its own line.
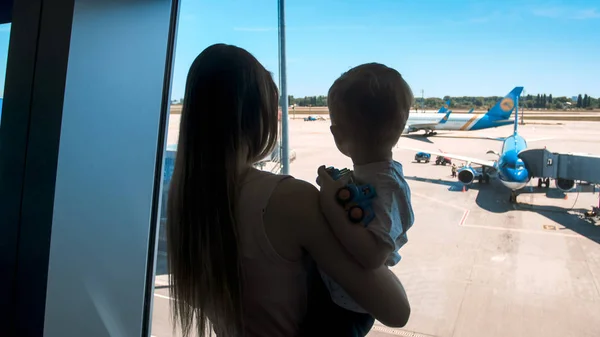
<point x="497" y="116"/>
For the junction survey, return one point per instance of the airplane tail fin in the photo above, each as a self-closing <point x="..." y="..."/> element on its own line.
<point x="445" y="118"/>
<point x="505" y="106"/>
<point x="471" y="111"/>
<point x="444" y="107"/>
<point x="516" y="114"/>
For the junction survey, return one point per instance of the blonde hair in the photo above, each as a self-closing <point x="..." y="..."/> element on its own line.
<point x="371" y="101"/>
<point x="229" y="111"/>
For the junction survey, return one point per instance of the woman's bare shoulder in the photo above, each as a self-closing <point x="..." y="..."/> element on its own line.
<point x="298" y="201"/>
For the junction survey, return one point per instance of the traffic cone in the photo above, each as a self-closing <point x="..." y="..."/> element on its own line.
<point x="464" y="188"/>
<point x="566" y="196"/>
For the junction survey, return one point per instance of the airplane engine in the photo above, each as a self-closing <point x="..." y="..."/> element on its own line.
<point x="466" y="175"/>
<point x="564" y="184"/>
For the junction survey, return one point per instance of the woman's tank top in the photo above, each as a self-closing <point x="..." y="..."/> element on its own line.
<point x="275" y="289"/>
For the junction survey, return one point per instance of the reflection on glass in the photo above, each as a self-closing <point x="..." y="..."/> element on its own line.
<point x="4" y="41"/>
<point x="201" y="24"/>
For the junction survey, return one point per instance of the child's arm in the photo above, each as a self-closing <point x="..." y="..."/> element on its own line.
<point x="370" y="246"/>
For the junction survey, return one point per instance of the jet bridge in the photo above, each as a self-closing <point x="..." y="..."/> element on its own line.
<point x="566" y="168"/>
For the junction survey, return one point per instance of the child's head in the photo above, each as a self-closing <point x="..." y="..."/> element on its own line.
<point x="368" y="105"/>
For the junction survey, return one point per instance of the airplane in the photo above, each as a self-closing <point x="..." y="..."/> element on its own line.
<point x="444" y="107"/>
<point x="509" y="169"/>
<point x="469" y="112"/>
<point x="497" y="116"/>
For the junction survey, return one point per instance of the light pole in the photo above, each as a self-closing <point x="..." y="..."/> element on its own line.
<point x="285" y="158"/>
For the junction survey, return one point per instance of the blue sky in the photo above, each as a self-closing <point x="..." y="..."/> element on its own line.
<point x="466" y="47"/>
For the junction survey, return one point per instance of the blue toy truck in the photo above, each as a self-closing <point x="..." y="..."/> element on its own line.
<point x="356" y="199"/>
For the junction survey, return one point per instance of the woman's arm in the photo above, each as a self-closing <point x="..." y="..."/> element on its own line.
<point x="378" y="290"/>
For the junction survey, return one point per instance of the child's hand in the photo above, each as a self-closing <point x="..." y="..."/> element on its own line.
<point x="329" y="187"/>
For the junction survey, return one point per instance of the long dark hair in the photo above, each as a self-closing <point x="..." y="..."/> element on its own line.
<point x="229" y="120"/>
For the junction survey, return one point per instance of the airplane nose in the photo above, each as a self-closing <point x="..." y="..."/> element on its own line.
<point x="519" y="175"/>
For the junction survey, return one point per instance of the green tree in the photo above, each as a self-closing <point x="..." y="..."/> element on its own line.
<point x="544" y="100"/>
<point x="550" y="98"/>
<point x="584" y="103"/>
<point x="579" y="101"/>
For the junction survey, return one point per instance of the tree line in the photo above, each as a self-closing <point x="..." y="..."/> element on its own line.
<point x="539" y="101"/>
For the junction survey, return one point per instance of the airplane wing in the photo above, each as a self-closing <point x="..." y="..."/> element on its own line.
<point x="482" y="162"/>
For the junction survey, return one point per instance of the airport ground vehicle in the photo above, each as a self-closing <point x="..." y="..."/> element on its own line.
<point x="422" y="156"/>
<point x="440" y="160"/>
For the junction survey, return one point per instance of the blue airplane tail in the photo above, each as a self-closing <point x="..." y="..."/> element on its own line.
<point x="471" y="111"/>
<point x="516" y="114"/>
<point x="505" y="107"/>
<point x="445" y="118"/>
<point x="444" y="107"/>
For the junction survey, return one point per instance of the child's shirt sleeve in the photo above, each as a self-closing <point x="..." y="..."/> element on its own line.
<point x="391" y="206"/>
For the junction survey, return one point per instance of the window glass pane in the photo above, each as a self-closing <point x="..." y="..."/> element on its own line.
<point x="4" y="39"/>
<point x="475" y="258"/>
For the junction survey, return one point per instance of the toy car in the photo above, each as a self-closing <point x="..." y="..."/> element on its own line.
<point x="335" y="173"/>
<point x="356" y="199"/>
<point x="422" y="156"/>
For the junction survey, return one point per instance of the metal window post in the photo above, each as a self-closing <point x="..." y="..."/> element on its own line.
<point x="285" y="158"/>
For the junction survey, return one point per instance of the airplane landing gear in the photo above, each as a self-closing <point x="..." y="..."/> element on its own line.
<point x="484" y="177"/>
<point x="430" y="133"/>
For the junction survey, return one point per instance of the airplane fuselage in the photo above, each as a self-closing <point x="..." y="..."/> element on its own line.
<point x="512" y="172"/>
<point x="456" y="122"/>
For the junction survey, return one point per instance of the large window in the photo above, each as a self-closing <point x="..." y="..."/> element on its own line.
<point x="476" y="263"/>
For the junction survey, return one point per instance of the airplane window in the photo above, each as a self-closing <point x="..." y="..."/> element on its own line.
<point x="491" y="253"/>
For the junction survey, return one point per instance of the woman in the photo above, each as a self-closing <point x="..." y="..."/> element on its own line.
<point x="241" y="242"/>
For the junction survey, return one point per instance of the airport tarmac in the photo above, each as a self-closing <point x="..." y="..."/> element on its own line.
<point x="476" y="265"/>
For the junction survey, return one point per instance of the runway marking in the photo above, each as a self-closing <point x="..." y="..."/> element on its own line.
<point x="397" y="332"/>
<point x="466" y="212"/>
<point x="529" y="231"/>
<point x="439" y="201"/>
<point x="464" y="218"/>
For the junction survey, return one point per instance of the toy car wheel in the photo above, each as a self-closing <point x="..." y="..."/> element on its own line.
<point x="344" y="195"/>
<point x="356" y="214"/>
